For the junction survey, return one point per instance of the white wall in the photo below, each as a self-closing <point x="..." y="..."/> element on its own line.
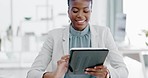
<point x="4" y="15"/>
<point x="19" y="11"/>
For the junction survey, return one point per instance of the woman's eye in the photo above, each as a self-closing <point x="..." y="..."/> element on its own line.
<point x="86" y="11"/>
<point x="75" y="11"/>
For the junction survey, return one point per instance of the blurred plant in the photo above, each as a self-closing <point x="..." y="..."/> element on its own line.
<point x="146" y="35"/>
<point x="9" y="33"/>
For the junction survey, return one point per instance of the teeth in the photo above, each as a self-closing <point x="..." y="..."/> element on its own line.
<point x="81" y="21"/>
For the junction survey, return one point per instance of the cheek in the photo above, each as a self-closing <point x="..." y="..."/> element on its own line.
<point x="69" y="14"/>
<point x="88" y="16"/>
<point x="72" y="16"/>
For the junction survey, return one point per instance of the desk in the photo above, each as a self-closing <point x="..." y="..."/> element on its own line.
<point x="132" y="52"/>
<point x="134" y="63"/>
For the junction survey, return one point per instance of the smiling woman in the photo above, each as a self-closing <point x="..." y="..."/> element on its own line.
<point x="86" y="29"/>
<point x="78" y="34"/>
<point x="79" y="13"/>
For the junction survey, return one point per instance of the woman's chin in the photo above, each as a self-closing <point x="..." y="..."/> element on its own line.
<point x="80" y="27"/>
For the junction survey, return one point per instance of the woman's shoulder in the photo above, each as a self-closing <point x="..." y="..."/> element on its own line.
<point x="57" y="32"/>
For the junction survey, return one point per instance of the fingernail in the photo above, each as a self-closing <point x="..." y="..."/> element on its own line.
<point x="87" y="69"/>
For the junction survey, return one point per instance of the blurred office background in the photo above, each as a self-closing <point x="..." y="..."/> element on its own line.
<point x="24" y="25"/>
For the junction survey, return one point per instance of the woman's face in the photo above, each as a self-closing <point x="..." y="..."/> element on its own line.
<point x="79" y="13"/>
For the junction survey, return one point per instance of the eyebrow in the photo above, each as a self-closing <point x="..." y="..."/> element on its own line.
<point x="78" y="8"/>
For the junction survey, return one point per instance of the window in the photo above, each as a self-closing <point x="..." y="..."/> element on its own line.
<point x="137" y="21"/>
<point x="116" y="19"/>
<point x="131" y="17"/>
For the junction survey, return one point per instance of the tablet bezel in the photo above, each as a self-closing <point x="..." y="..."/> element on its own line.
<point x="100" y="51"/>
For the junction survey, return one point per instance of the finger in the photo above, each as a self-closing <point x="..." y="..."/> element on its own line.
<point x="97" y="74"/>
<point x="100" y="67"/>
<point x="105" y="70"/>
<point x="61" y="61"/>
<point x="90" y="70"/>
<point x="58" y="62"/>
<point x="65" y="57"/>
<point x="96" y="70"/>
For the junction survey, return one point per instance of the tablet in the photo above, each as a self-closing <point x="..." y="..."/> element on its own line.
<point x="82" y="58"/>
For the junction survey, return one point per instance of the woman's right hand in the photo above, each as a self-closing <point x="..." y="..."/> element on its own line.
<point x="62" y="66"/>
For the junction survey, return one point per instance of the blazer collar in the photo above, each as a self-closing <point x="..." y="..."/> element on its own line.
<point x="94" y="37"/>
<point x="65" y="40"/>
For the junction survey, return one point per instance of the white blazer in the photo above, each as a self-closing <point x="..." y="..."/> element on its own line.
<point x="57" y="45"/>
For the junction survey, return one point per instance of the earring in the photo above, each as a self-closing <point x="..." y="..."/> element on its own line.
<point x="69" y="21"/>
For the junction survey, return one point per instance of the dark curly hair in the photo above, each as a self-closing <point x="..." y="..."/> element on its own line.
<point x="68" y="2"/>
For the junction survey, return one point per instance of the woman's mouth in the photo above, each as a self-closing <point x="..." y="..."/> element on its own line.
<point x="80" y="21"/>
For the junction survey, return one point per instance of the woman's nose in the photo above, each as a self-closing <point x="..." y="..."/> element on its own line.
<point x="80" y="14"/>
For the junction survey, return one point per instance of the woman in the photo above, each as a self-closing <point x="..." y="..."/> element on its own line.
<point x="55" y="51"/>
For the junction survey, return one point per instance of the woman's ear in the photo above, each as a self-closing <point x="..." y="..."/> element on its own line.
<point x="68" y="11"/>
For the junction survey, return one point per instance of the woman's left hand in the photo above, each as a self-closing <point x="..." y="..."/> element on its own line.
<point x="98" y="71"/>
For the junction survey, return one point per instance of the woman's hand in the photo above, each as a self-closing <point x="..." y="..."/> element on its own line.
<point x="62" y="66"/>
<point x="98" y="71"/>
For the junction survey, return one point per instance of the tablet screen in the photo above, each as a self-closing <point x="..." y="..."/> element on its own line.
<point x="82" y="58"/>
